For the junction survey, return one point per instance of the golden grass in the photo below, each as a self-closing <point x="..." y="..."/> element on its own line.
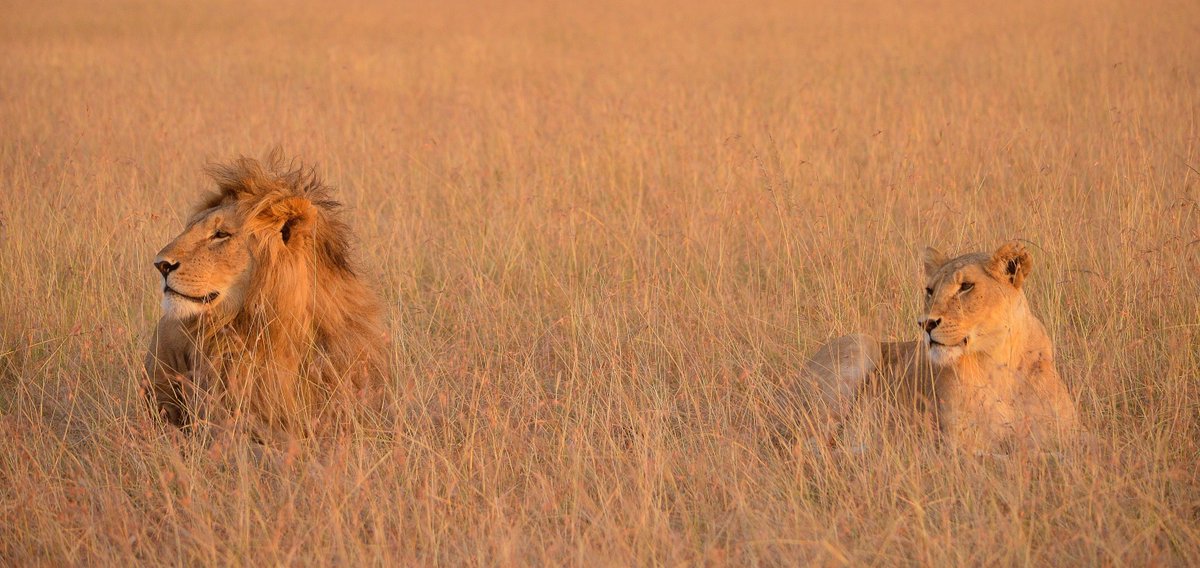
<point x="606" y="237"/>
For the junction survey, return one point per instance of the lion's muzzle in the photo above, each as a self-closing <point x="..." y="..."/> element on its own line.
<point x="165" y="267"/>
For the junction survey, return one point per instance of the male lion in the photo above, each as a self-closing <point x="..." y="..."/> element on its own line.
<point x="263" y="317"/>
<point x="983" y="370"/>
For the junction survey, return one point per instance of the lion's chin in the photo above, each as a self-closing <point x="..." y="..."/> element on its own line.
<point x="175" y="307"/>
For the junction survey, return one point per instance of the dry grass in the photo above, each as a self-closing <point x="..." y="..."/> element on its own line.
<point x="606" y="236"/>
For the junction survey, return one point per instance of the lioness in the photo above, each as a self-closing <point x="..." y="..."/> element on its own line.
<point x="983" y="369"/>
<point x="263" y="315"/>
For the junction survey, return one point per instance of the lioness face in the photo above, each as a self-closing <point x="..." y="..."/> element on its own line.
<point x="208" y="266"/>
<point x="969" y="301"/>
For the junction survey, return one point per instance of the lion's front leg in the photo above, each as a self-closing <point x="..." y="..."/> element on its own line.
<point x="167" y="375"/>
<point x="165" y="395"/>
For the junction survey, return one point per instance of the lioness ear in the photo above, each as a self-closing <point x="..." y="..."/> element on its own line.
<point x="933" y="259"/>
<point x="293" y="217"/>
<point x="1011" y="262"/>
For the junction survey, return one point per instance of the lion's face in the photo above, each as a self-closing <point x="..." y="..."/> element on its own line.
<point x="970" y="301"/>
<point x="208" y="267"/>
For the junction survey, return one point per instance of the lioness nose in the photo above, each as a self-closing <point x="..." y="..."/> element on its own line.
<point x="929" y="324"/>
<point x="166" y="266"/>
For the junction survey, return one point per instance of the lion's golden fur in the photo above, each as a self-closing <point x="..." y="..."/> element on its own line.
<point x="983" y="371"/>
<point x="264" y="317"/>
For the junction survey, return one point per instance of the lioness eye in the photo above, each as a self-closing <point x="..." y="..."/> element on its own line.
<point x="220" y="235"/>
<point x="966" y="287"/>
<point x="929" y="291"/>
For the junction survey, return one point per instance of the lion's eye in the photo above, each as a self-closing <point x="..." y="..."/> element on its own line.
<point x="220" y="235"/>
<point x="966" y="287"/>
<point x="928" y="292"/>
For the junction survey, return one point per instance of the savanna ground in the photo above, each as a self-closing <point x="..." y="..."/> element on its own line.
<point x="606" y="237"/>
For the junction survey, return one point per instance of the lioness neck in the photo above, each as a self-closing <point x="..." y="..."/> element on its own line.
<point x="1000" y="369"/>
<point x="1023" y="332"/>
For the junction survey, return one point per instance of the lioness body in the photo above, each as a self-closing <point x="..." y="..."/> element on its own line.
<point x="262" y="315"/>
<point x="984" y="371"/>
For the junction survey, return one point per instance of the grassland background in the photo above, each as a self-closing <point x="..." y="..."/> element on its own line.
<point x="607" y="234"/>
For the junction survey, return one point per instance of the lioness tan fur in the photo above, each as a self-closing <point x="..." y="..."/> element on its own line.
<point x="983" y="371"/>
<point x="263" y="316"/>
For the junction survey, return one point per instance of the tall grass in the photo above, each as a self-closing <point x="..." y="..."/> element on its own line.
<point x="607" y="235"/>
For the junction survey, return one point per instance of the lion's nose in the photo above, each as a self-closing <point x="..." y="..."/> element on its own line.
<point x="165" y="266"/>
<point x="929" y="324"/>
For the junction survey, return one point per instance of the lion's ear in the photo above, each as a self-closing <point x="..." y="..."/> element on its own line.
<point x="292" y="217"/>
<point x="1011" y="262"/>
<point x="932" y="259"/>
